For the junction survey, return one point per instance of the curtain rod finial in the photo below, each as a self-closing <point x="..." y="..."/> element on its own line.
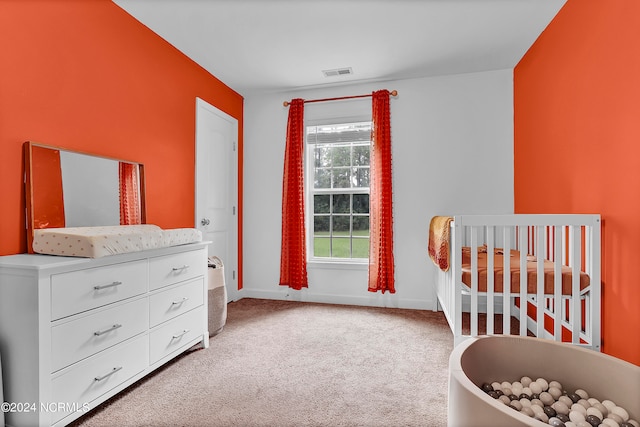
<point x="285" y="103"/>
<point x="394" y="93"/>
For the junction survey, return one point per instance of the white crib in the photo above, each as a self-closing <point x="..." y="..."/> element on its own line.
<point x="554" y="256"/>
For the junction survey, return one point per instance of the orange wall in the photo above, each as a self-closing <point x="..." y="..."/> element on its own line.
<point x="577" y="143"/>
<point x="85" y="75"/>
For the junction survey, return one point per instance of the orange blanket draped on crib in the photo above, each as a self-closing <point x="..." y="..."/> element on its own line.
<point x="439" y="241"/>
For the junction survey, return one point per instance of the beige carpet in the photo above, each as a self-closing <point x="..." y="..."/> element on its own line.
<point x="283" y="364"/>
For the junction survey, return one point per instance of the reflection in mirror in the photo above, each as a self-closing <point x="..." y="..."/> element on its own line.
<point x="65" y="188"/>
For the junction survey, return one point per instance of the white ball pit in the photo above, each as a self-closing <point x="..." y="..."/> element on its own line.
<point x="499" y="358"/>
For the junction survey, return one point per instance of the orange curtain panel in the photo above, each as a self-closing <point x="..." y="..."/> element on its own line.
<point x="381" y="263"/>
<point x="293" y="255"/>
<point x="129" y="195"/>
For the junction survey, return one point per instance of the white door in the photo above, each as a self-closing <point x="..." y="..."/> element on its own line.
<point x="216" y="187"/>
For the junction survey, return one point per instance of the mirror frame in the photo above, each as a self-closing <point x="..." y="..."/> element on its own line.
<point x="28" y="184"/>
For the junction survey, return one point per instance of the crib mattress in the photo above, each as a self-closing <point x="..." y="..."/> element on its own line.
<point x="514" y="262"/>
<point x="96" y="242"/>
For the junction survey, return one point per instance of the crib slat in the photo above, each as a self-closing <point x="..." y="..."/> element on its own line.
<point x="456" y="300"/>
<point x="540" y="285"/>
<point x="490" y="280"/>
<point x="523" y="278"/>
<point x="558" y="304"/>
<point x="588" y="256"/>
<point x="575" y="255"/>
<point x="506" y="282"/>
<point x="595" y="285"/>
<point x="474" y="281"/>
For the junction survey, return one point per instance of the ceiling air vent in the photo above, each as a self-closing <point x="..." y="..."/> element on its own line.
<point x="338" y="72"/>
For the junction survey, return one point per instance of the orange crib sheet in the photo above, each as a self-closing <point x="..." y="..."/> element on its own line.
<point x="514" y="262"/>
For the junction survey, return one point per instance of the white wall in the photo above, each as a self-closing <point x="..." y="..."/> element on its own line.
<point x="452" y="142"/>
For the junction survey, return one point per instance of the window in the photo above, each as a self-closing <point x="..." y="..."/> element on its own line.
<point x="338" y="188"/>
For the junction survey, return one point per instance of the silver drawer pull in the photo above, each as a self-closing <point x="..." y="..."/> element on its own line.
<point x="111" y="285"/>
<point x="179" y="302"/>
<point x="109" y="374"/>
<point x="113" y="328"/>
<point x="175" y="337"/>
<point x="184" y="267"/>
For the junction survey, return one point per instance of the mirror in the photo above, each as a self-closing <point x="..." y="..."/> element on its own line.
<point x="66" y="188"/>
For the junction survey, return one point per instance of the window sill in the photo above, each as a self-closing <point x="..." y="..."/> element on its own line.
<point x="338" y="264"/>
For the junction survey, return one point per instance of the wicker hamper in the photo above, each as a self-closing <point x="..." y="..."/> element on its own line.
<point x="217" y="296"/>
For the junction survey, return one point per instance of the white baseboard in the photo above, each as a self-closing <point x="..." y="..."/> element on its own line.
<point x="373" y="300"/>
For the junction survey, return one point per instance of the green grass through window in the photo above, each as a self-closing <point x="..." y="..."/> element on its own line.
<point x="341" y="245"/>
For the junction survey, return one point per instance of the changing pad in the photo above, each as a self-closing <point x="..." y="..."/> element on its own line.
<point x="96" y="242"/>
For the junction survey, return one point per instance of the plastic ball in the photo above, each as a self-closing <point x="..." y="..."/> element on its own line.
<point x="543" y="383"/>
<point x="546" y="398"/>
<point x="555" y="384"/>
<point x="593" y="420"/>
<point x="555" y="392"/>
<point x="576" y="416"/>
<point x="541" y="416"/>
<point x="525" y="381"/>
<point x="610" y="422"/>
<point x="553" y="421"/>
<point x="516" y="404"/>
<point x="583" y="394"/>
<point x="579" y="408"/>
<point x="560" y="407"/>
<point x="595" y="411"/>
<point x="537" y="402"/>
<point x="566" y="401"/>
<point x="615" y="417"/>
<point x="584" y="403"/>
<point x="535" y="388"/>
<point x="600" y="407"/>
<point x="486" y="387"/>
<point x="525" y="402"/>
<point x="537" y="408"/>
<point x="527" y="411"/>
<point x="621" y="412"/>
<point x="574" y="397"/>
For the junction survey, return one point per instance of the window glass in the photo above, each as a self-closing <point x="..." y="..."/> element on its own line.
<point x="339" y="155"/>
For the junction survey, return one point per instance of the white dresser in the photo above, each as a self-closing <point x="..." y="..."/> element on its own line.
<point x="76" y="331"/>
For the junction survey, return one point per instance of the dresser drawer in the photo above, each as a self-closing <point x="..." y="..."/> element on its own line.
<point x="170" y="269"/>
<point x="82" y="290"/>
<point x="175" y="333"/>
<point x="97" y="375"/>
<point x="86" y="335"/>
<point x="167" y="304"/>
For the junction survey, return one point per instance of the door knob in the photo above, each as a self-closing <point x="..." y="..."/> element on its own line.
<point x="205" y="221"/>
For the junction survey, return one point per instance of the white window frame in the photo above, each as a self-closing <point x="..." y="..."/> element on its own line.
<point x="309" y="192"/>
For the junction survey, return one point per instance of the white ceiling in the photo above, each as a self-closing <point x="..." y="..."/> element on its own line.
<point x="278" y="45"/>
